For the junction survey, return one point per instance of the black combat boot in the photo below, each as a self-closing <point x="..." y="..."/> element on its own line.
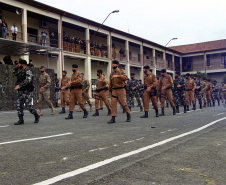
<point x="112" y="120"/>
<point x="123" y="111"/>
<point x="177" y="109"/>
<point x="194" y="107"/>
<point x="70" y="115"/>
<point x="109" y="112"/>
<point x="162" y="114"/>
<point x="213" y="103"/>
<point x="210" y="104"/>
<point x="145" y="115"/>
<point x="219" y="103"/>
<point x="96" y="113"/>
<point x="36" y="118"/>
<point x="57" y="105"/>
<point x="128" y="118"/>
<point x="20" y="122"/>
<point x="141" y="108"/>
<point x="156" y="113"/>
<point x="185" y="111"/>
<point x="187" y="107"/>
<point x="200" y="105"/>
<point x="63" y="111"/>
<point x="85" y="114"/>
<point x="174" y="111"/>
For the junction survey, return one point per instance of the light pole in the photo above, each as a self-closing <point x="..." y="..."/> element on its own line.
<point x="165" y="49"/>
<point x="115" y="11"/>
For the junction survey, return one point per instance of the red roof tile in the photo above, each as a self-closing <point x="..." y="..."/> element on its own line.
<point x="200" y="47"/>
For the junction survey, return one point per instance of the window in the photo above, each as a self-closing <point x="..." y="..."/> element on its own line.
<point x="223" y="59"/>
<point x="208" y="60"/>
<point x="138" y="57"/>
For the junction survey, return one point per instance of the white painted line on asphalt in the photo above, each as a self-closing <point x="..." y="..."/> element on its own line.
<point x="4" y="126"/>
<point x="38" y="138"/>
<point x="219" y="114"/>
<point x="135" y="111"/>
<point x="128" y="142"/>
<point x="116" y="158"/>
<point x="140" y="138"/>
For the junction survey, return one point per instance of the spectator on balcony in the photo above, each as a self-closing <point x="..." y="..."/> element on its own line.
<point x="95" y="49"/>
<point x="4" y="28"/>
<point x="121" y="52"/>
<point x="44" y="35"/>
<point x="102" y="50"/>
<point x="30" y="63"/>
<point x="7" y="59"/>
<point x="52" y="38"/>
<point x="14" y="30"/>
<point x="83" y="46"/>
<point x="98" y="49"/>
<point x="91" y="48"/>
<point x="114" y="53"/>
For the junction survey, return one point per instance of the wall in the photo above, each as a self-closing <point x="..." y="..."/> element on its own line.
<point x="68" y="65"/>
<point x="95" y="67"/>
<point x="198" y="63"/>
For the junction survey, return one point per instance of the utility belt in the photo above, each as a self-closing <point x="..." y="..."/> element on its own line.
<point x="77" y="87"/>
<point x="188" y="89"/>
<point x="119" y="87"/>
<point x="153" y="93"/>
<point x="99" y="90"/>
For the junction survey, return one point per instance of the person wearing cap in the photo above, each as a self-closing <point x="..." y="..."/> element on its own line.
<point x="76" y="92"/>
<point x="215" y="93"/>
<point x="101" y="92"/>
<point x="179" y="91"/>
<point x="44" y="90"/>
<point x="134" y="84"/>
<point x="25" y="88"/>
<point x="141" y="90"/>
<point x="165" y="85"/>
<point x="190" y="88"/>
<point x="198" y="89"/>
<point x="223" y="93"/>
<point x="208" y="92"/>
<point x="64" y="94"/>
<point x="150" y="92"/>
<point x="85" y="93"/>
<point x="117" y="86"/>
<point x="203" y="91"/>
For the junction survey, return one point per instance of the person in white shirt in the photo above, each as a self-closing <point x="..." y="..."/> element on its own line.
<point x="14" y="30"/>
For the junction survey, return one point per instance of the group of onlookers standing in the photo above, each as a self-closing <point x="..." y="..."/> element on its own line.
<point x="4" y="29"/>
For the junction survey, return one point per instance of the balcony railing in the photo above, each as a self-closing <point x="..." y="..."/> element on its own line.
<point x="149" y="62"/>
<point x="119" y="57"/>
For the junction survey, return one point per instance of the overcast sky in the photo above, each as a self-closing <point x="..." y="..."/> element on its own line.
<point x="191" y="21"/>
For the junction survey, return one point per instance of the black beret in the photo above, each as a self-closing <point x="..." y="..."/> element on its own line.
<point x="163" y="71"/>
<point x="115" y="62"/>
<point x="23" y="62"/>
<point x="75" y="66"/>
<point x="64" y="71"/>
<point x="132" y="74"/>
<point x="215" y="81"/>
<point x="140" y="80"/>
<point x="188" y="74"/>
<point x="42" y="67"/>
<point x="146" y="67"/>
<point x="178" y="72"/>
<point x="100" y="71"/>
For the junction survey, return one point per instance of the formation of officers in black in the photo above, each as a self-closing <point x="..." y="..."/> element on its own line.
<point x="180" y="92"/>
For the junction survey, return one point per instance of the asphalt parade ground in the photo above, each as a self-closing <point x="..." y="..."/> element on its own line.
<point x="182" y="149"/>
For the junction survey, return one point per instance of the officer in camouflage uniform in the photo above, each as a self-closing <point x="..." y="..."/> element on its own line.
<point x="85" y="93"/>
<point x="198" y="89"/>
<point x="215" y="93"/>
<point x="141" y="90"/>
<point x="179" y="91"/>
<point x="134" y="90"/>
<point x="24" y="85"/>
<point x="44" y="91"/>
<point x="128" y="95"/>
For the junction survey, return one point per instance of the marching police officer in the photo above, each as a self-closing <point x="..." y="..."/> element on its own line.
<point x="117" y="86"/>
<point x="190" y="88"/>
<point x="24" y="86"/>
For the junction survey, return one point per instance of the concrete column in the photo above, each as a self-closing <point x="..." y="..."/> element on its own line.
<point x="87" y="74"/>
<point x="24" y="25"/>
<point x="60" y="30"/>
<point x="127" y="50"/>
<point x="205" y="63"/>
<point x="142" y="74"/>
<point x="154" y="62"/>
<point x="164" y="59"/>
<point x="60" y="65"/>
<point x="173" y="63"/>
<point x="181" y="64"/>
<point x="108" y="70"/>
<point x="127" y="69"/>
<point x="141" y="55"/>
<point x="109" y="47"/>
<point x="87" y="41"/>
